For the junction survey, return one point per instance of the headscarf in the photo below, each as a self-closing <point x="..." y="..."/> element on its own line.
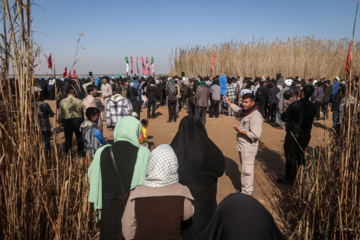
<point x="127" y="129"/>
<point x="171" y="86"/>
<point x="240" y="216"/>
<point x="162" y="168"/>
<point x="245" y="91"/>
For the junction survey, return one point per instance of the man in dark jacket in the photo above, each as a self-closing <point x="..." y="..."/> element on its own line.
<point x="273" y="101"/>
<point x="202" y="103"/>
<point x="151" y="94"/>
<point x="262" y="95"/>
<point x="299" y="118"/>
<point x="171" y="92"/>
<point x="326" y="99"/>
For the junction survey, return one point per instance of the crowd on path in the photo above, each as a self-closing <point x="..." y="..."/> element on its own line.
<point x="170" y="193"/>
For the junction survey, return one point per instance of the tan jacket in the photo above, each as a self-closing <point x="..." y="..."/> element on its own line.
<point x="252" y="124"/>
<point x="90" y="101"/>
<point x="129" y="222"/>
<point x="70" y="107"/>
<point x="106" y="90"/>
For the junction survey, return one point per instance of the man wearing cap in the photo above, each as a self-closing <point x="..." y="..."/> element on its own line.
<point x="202" y="103"/>
<point x="335" y="89"/>
<point x="280" y="106"/>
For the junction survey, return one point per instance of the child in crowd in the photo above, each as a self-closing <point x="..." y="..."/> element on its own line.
<point x="91" y="133"/>
<point x="144" y="133"/>
<point x="288" y="95"/>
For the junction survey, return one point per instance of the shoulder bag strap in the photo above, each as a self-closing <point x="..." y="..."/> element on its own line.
<point x="116" y="169"/>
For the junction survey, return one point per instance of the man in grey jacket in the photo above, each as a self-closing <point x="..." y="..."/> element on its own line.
<point x="202" y="101"/>
<point x="248" y="133"/>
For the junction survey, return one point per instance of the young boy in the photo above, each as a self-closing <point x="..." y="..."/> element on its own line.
<point x="144" y="133"/>
<point x="90" y="131"/>
<point x="288" y="99"/>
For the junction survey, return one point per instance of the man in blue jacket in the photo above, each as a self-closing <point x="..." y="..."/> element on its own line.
<point x="335" y="89"/>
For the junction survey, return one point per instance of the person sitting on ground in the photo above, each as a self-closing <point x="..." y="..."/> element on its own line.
<point x="92" y="136"/>
<point x="201" y="163"/>
<point x="117" y="108"/>
<point x="240" y="216"/>
<point x="156" y="209"/>
<point x="114" y="171"/>
<point x="144" y="132"/>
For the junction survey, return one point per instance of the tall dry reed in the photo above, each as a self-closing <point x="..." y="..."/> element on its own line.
<point x="306" y="57"/>
<point x="41" y="197"/>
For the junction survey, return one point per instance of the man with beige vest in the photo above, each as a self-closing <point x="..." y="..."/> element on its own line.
<point x="248" y="133"/>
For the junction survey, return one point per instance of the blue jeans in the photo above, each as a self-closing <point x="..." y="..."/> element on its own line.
<point x="47" y="135"/>
<point x="335" y="119"/>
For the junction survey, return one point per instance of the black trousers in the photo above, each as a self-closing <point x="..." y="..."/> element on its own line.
<point x="214" y="108"/>
<point x="201" y="114"/>
<point x="325" y="109"/>
<point x="272" y="111"/>
<point x="172" y="109"/>
<point x="318" y="107"/>
<point x="73" y="126"/>
<point x="261" y="107"/>
<point x="151" y="106"/>
<point x="293" y="154"/>
<point x="137" y="106"/>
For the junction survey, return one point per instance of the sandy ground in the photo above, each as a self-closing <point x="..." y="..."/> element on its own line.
<point x="270" y="160"/>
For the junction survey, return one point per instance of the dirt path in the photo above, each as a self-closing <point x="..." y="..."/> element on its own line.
<point x="270" y="160"/>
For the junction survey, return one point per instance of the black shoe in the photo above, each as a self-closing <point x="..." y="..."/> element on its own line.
<point x="284" y="181"/>
<point x="169" y="121"/>
<point x="174" y="121"/>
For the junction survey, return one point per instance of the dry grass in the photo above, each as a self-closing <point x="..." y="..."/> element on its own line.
<point x="305" y="57"/>
<point x="41" y="197"/>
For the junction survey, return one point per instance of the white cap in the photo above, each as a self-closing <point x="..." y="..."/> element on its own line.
<point x="245" y="91"/>
<point x="315" y="81"/>
<point x="288" y="82"/>
<point x="343" y="82"/>
<point x="337" y="78"/>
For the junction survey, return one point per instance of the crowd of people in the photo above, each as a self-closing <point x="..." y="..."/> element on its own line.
<point x="170" y="193"/>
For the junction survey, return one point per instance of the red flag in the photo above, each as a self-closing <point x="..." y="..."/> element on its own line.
<point x="147" y="65"/>
<point x="153" y="74"/>
<point x="143" y="66"/>
<point x="131" y="71"/>
<point x="137" y="67"/>
<point x="213" y="61"/>
<point x="65" y="72"/>
<point x="74" y="74"/>
<point x="69" y="75"/>
<point x="49" y="62"/>
<point x="348" y="61"/>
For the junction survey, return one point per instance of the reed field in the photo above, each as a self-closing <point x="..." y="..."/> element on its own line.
<point x="305" y="57"/>
<point x="45" y="196"/>
<point x="41" y="197"/>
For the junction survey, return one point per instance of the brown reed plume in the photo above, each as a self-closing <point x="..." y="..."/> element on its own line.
<point x="41" y="197"/>
<point x="306" y="57"/>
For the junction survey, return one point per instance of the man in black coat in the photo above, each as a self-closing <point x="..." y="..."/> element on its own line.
<point x="299" y="118"/>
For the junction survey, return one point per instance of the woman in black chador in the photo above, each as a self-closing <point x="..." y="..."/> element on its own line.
<point x="201" y="163"/>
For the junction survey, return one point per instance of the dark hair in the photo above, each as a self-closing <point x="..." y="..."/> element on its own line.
<point x="91" y="111"/>
<point x="288" y="94"/>
<point x="308" y="90"/>
<point x="249" y="95"/>
<point x="144" y="122"/>
<point x="70" y="91"/>
<point x="90" y="88"/>
<point x="118" y="90"/>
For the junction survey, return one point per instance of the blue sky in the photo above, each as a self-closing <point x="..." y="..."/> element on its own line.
<point x="114" y="29"/>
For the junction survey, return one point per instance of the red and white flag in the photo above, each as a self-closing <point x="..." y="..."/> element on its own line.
<point x="49" y="62"/>
<point x="147" y="65"/>
<point x="213" y="61"/>
<point x="143" y="66"/>
<point x="348" y="61"/>
<point x="137" y="66"/>
<point x="131" y="70"/>
<point x="65" y="72"/>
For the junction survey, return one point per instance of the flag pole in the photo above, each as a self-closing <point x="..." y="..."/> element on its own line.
<point x="56" y="112"/>
<point x="352" y="40"/>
